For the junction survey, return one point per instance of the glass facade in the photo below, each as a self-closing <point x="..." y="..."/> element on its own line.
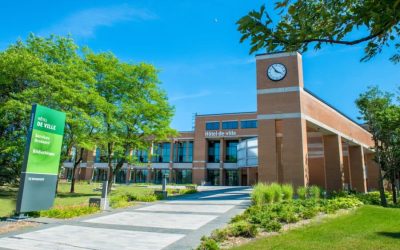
<point x="100" y="156"/>
<point x="212" y="125"/>
<point x="100" y="174"/>
<point x="231" y="177"/>
<point x="159" y="174"/>
<point x="161" y="152"/>
<point x="248" y="124"/>
<point x="231" y="151"/>
<point x="183" y="151"/>
<point x="230" y="125"/>
<point x="213" y="177"/>
<point x="139" y="175"/>
<point x="141" y="155"/>
<point x="120" y="177"/>
<point x="213" y="151"/>
<point x="183" y="176"/>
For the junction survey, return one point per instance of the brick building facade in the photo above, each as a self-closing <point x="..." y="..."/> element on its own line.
<point x="293" y="137"/>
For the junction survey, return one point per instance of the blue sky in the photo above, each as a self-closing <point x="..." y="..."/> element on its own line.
<point x="195" y="44"/>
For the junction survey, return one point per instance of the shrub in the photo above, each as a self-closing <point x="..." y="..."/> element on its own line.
<point x="120" y="201"/>
<point x="69" y="211"/>
<point x="243" y="229"/>
<point x="287" y="192"/>
<point x="187" y="191"/>
<point x="372" y="198"/>
<point x="272" y="226"/>
<point x="258" y="194"/>
<point x="277" y="190"/>
<point x="314" y="192"/>
<point x="302" y="192"/>
<point x="309" y="212"/>
<point x="208" y="244"/>
<point x="219" y="235"/>
<point x="341" y="203"/>
<point x="239" y="217"/>
<point x="147" y="198"/>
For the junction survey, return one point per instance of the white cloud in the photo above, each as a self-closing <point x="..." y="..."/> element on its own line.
<point x="189" y="96"/>
<point x="84" y="23"/>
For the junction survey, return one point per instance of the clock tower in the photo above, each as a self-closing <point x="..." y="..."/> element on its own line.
<point x="282" y="132"/>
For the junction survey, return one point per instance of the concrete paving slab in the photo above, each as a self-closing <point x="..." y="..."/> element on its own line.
<point x="77" y="237"/>
<point x="187" y="208"/>
<point x="207" y="202"/>
<point x="159" y="220"/>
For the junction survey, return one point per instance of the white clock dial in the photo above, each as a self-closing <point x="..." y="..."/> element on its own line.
<point x="276" y="71"/>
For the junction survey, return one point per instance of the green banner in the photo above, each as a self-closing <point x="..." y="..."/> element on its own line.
<point x="42" y="159"/>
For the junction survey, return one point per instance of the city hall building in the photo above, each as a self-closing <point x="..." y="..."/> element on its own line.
<point x="293" y="137"/>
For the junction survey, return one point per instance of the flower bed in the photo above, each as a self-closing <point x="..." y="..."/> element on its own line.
<point x="274" y="207"/>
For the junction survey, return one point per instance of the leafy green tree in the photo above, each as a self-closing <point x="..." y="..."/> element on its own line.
<point x="48" y="71"/>
<point x="382" y="116"/>
<point x="141" y="110"/>
<point x="320" y="22"/>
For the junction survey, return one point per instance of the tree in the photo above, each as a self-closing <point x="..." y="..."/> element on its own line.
<point x="140" y="113"/>
<point x="51" y="72"/>
<point x="382" y="116"/>
<point x="322" y="22"/>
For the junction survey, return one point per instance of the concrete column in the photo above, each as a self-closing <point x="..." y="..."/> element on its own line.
<point x="221" y="161"/>
<point x="333" y="162"/>
<point x="372" y="172"/>
<point x="294" y="152"/>
<point x="267" y="159"/>
<point x="171" y="161"/>
<point x="357" y="168"/>
<point x="346" y="165"/>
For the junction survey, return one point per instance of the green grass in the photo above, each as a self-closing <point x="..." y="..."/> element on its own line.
<point x="83" y="191"/>
<point x="368" y="227"/>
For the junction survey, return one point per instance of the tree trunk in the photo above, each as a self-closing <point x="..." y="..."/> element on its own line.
<point x="394" y="193"/>
<point x="76" y="163"/>
<point x="382" y="189"/>
<point x="110" y="168"/>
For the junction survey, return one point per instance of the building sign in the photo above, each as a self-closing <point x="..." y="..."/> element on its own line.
<point x="41" y="160"/>
<point x="220" y="133"/>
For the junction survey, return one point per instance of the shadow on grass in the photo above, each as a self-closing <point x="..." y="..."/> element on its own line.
<point x="395" y="235"/>
<point x="69" y="195"/>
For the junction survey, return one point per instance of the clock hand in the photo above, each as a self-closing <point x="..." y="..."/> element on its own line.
<point x="276" y="70"/>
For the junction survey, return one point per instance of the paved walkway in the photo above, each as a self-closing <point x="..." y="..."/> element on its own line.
<point x="177" y="223"/>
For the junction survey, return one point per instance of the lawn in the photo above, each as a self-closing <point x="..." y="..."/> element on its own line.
<point x="83" y="192"/>
<point x="368" y="227"/>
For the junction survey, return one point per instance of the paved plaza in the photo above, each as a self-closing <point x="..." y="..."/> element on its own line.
<point x="176" y="223"/>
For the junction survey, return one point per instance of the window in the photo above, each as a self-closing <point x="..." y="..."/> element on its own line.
<point x="100" y="156"/>
<point x="213" y="177"/>
<point x="248" y="124"/>
<point x="212" y="125"/>
<point x="159" y="175"/>
<point x="231" y="178"/>
<point x="231" y="151"/>
<point x="161" y="152"/>
<point x="183" y="151"/>
<point x="230" y="125"/>
<point x="213" y="151"/>
<point x="139" y="175"/>
<point x="141" y="156"/>
<point x="183" y="176"/>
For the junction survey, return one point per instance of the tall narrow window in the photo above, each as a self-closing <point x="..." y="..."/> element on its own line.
<point x="213" y="151"/>
<point x="231" y="151"/>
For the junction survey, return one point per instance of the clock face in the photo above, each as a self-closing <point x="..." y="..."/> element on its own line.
<point x="276" y="71"/>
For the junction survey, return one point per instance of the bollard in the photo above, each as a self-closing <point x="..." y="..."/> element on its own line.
<point x="164" y="183"/>
<point x="104" y="201"/>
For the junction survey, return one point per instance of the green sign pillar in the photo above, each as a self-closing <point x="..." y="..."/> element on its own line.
<point x="42" y="159"/>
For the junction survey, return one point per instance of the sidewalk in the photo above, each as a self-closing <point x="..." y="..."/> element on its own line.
<point x="176" y="223"/>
